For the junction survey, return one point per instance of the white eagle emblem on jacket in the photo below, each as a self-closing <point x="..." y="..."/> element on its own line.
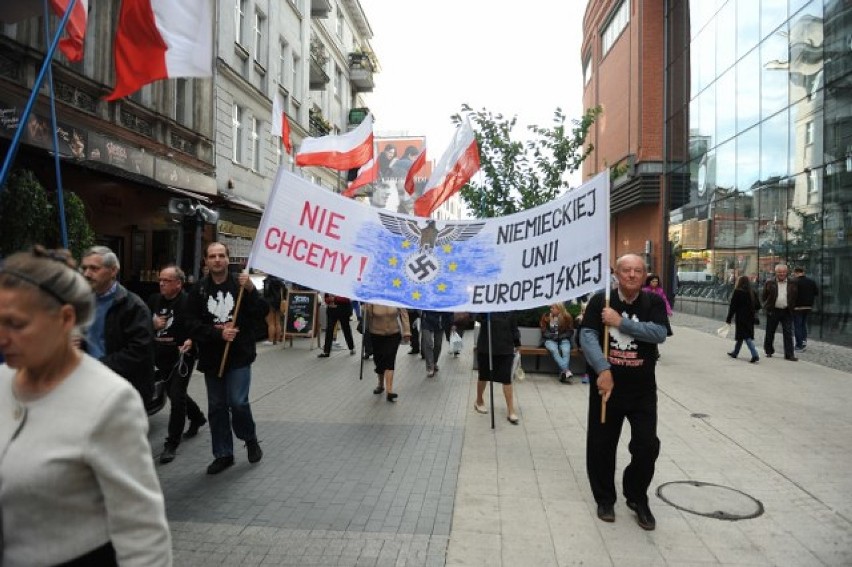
<point x="220" y="306"/>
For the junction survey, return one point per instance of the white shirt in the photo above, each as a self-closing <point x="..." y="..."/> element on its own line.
<point x="781" y="301"/>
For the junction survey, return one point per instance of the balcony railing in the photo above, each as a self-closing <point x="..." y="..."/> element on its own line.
<point x="317" y="125"/>
<point x="361" y="69"/>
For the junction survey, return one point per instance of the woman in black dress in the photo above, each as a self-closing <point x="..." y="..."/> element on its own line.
<point x="495" y="355"/>
<point x="743" y="310"/>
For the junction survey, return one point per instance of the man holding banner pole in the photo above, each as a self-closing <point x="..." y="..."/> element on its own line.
<point x="626" y="388"/>
<point x="220" y="323"/>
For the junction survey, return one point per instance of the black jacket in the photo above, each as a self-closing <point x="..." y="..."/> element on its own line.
<point x="743" y="310"/>
<point x="129" y="341"/>
<point x="505" y="330"/>
<point x="807" y="292"/>
<point x="168" y="340"/>
<point x="210" y="307"/>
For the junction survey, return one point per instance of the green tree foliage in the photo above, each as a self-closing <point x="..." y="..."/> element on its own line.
<point x="520" y="175"/>
<point x="29" y="215"/>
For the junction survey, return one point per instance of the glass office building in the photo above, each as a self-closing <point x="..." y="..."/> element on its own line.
<point x="758" y="128"/>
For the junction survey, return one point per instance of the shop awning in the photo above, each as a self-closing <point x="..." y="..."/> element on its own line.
<point x="239" y="202"/>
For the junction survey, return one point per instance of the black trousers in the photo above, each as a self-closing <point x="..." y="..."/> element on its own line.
<point x="338" y="314"/>
<point x="414" y="315"/>
<point x="181" y="405"/>
<point x="773" y="318"/>
<point x="602" y="443"/>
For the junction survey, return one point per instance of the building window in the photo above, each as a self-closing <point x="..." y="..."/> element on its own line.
<point x="340" y="21"/>
<point x="813" y="186"/>
<point x="282" y="63"/>
<point x="587" y="68"/>
<point x="184" y="101"/>
<point x="297" y="84"/>
<point x="255" y="144"/>
<point x="619" y="21"/>
<point x="338" y="82"/>
<point x="259" y="46"/>
<point x="239" y="19"/>
<point x="237" y="134"/>
<point x="809" y="133"/>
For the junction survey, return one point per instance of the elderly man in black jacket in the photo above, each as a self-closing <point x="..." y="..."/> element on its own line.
<point x="121" y="334"/>
<point x="779" y="299"/>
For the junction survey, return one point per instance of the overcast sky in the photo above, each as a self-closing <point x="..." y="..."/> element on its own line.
<point x="517" y="58"/>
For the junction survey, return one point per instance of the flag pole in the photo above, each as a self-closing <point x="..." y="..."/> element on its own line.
<point x="28" y="108"/>
<point x="60" y="198"/>
<point x="607" y="295"/>
<point x="234" y="321"/>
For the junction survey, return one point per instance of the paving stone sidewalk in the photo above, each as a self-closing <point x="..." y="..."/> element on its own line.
<point x="350" y="479"/>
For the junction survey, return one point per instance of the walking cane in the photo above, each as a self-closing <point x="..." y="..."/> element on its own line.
<point x="228" y="344"/>
<point x="363" y="308"/>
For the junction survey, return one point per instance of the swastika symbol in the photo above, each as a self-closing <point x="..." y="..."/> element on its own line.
<point x="422" y="267"/>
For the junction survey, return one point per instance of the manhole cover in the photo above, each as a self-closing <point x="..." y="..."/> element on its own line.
<point x="710" y="500"/>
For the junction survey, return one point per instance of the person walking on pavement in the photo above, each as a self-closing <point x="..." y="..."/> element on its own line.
<point x="274" y="293"/>
<point x="743" y="311"/>
<point x="498" y="340"/>
<point x="778" y="298"/>
<point x="120" y="335"/>
<point x="388" y="327"/>
<point x="338" y="309"/>
<point x="213" y="326"/>
<point x="174" y="357"/>
<point x="432" y="325"/>
<point x="626" y="382"/>
<point x="413" y="320"/>
<point x="806" y="293"/>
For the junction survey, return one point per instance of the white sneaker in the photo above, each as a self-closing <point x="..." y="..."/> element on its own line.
<point x="479" y="408"/>
<point x="267" y="343"/>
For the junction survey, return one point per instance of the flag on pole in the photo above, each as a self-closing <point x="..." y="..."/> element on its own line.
<point x="75" y="30"/>
<point x="280" y="123"/>
<point x="416" y="165"/>
<point x="162" y="39"/>
<point x="458" y="164"/>
<point x="368" y="173"/>
<point x="346" y="151"/>
<point x="72" y="45"/>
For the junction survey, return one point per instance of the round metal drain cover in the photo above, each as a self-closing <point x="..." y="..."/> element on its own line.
<point x="710" y="500"/>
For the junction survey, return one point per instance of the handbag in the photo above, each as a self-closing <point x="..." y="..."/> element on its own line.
<point x="518" y="370"/>
<point x="456" y="343"/>
<point x="723" y="331"/>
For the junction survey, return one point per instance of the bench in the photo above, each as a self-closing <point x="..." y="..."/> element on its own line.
<point x="537" y="352"/>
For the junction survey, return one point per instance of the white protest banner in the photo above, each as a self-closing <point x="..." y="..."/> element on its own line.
<point x="324" y="241"/>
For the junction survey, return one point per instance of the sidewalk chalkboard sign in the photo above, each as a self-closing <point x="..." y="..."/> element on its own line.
<point x="301" y="319"/>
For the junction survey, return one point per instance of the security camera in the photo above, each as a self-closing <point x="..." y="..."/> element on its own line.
<point x="209" y="216"/>
<point x="181" y="207"/>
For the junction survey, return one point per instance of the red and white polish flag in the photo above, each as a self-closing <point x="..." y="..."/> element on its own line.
<point x="455" y="168"/>
<point x="367" y="173"/>
<point x="162" y="39"/>
<point x="75" y="30"/>
<point x="280" y="123"/>
<point x="416" y="166"/>
<point x="346" y="151"/>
